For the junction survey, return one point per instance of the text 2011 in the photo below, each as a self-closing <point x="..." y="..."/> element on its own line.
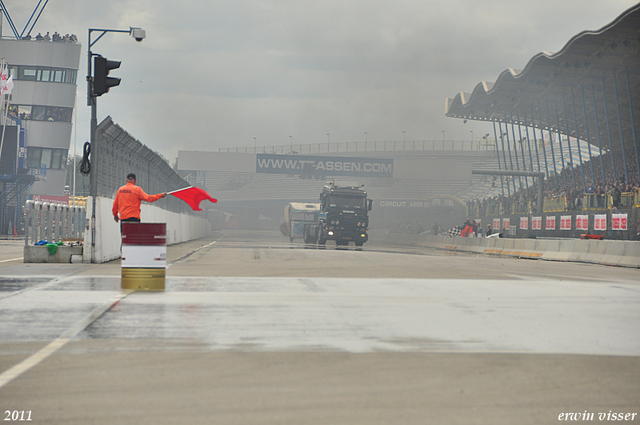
<point x="17" y="415"/>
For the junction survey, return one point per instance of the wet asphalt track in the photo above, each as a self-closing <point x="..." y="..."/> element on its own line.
<point x="242" y="294"/>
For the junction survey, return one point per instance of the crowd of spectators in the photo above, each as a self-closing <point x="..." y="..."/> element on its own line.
<point x="56" y="37"/>
<point x="567" y="189"/>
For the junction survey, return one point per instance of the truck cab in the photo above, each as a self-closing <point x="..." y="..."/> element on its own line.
<point x="344" y="215"/>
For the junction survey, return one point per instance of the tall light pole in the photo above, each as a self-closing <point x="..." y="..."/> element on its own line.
<point x="443" y="134"/>
<point x="291" y="139"/>
<point x="471" y="139"/>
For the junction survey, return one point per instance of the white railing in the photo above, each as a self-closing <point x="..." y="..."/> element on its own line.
<point x="369" y="146"/>
<point x="52" y="222"/>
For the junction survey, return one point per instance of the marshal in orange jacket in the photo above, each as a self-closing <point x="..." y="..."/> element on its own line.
<point x="128" y="200"/>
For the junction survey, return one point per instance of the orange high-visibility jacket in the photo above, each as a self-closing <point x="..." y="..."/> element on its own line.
<point x="128" y="200"/>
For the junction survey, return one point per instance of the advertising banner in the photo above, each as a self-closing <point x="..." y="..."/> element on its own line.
<point x="325" y="166"/>
<point x="432" y="202"/>
<point x="565" y="222"/>
<point x="551" y="223"/>
<point x="506" y="223"/>
<point x="524" y="223"/>
<point x="600" y="222"/>
<point x="582" y="222"/>
<point x="618" y="222"/>
<point x="496" y="224"/>
<point x="536" y="223"/>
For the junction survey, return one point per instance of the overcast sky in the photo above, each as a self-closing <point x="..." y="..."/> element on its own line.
<point x="216" y="74"/>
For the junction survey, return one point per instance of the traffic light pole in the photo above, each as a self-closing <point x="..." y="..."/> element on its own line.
<point x="92" y="101"/>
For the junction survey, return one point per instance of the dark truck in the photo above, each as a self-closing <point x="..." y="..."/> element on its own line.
<point x="344" y="214"/>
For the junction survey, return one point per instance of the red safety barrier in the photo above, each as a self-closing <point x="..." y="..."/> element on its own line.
<point x="598" y="237"/>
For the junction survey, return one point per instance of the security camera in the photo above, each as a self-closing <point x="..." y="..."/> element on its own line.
<point x="138" y="34"/>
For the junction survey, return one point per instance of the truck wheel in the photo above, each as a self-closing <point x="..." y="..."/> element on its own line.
<point x="359" y="244"/>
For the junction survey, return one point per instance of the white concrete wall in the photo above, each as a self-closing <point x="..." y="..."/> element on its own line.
<point x="611" y="253"/>
<point x="180" y="228"/>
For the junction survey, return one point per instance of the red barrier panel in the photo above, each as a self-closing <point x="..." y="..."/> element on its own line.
<point x="144" y="233"/>
<point x="585" y="236"/>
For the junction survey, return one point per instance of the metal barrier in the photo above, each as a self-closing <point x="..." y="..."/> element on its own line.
<point x="494" y="208"/>
<point x="594" y="201"/>
<point x="555" y="204"/>
<point x="52" y="222"/>
<point x="120" y="154"/>
<point x="627" y="199"/>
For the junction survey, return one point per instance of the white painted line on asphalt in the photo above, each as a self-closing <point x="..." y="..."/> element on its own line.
<point x="12" y="259"/>
<point x="196" y="250"/>
<point x="17" y="370"/>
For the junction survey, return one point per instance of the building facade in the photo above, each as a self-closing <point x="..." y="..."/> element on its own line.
<point x="45" y="75"/>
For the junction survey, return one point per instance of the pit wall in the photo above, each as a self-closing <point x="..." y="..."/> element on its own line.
<point x="180" y="228"/>
<point x="610" y="253"/>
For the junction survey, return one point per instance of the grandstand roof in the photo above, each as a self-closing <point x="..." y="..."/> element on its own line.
<point x="567" y="90"/>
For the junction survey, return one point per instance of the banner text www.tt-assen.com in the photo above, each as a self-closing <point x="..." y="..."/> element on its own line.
<point x="324" y="165"/>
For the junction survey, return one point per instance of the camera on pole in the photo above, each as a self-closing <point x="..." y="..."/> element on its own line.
<point x="101" y="80"/>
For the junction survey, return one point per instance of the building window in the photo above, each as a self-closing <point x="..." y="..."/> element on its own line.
<point x="33" y="157"/>
<point x="44" y="74"/>
<point x="50" y="158"/>
<point x="41" y="113"/>
<point x="38" y="113"/>
<point x="28" y="74"/>
<point x="56" y="159"/>
<point x="45" y="159"/>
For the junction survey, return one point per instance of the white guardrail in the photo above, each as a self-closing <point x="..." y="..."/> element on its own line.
<point x="52" y="222"/>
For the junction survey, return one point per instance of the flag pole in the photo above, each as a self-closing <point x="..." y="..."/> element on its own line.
<point x="4" y="117"/>
<point x="4" y="125"/>
<point x="178" y="190"/>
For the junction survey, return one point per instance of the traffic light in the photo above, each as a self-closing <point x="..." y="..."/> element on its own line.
<point x="101" y="81"/>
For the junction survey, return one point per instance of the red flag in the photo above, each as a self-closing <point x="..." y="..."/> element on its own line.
<point x="192" y="196"/>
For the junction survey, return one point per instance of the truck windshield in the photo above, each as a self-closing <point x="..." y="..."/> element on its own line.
<point x="347" y="202"/>
<point x="303" y="216"/>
